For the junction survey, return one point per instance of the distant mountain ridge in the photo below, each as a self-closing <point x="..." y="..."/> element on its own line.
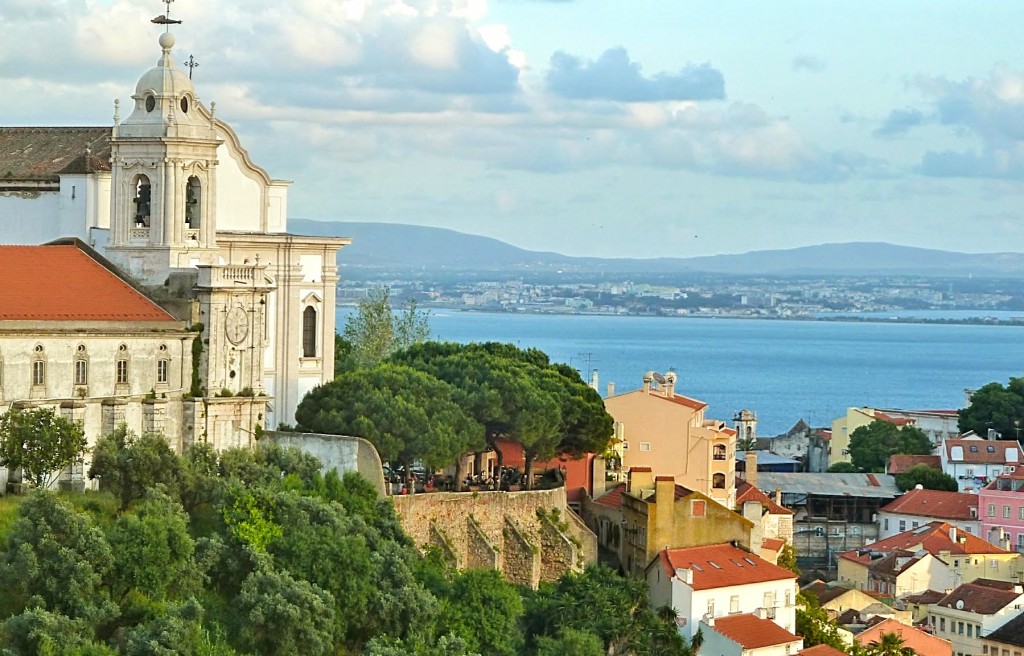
<point x="394" y="246"/>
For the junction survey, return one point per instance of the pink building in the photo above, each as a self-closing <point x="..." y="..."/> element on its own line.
<point x="1001" y="506"/>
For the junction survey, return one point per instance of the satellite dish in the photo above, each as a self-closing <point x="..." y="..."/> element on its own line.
<point x="959" y="604"/>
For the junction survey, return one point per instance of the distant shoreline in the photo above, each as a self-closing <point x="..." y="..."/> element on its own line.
<point x="947" y="321"/>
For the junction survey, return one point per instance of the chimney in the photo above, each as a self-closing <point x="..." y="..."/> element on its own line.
<point x="670" y="384"/>
<point x="638" y="479"/>
<point x="750" y="465"/>
<point x="777" y="497"/>
<point x="611" y="389"/>
<point x="664" y="510"/>
<point x="753" y="510"/>
<point x="648" y="381"/>
<point x="952" y="534"/>
<point x="593" y="380"/>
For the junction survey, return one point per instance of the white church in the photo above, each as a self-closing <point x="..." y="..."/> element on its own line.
<point x="162" y="211"/>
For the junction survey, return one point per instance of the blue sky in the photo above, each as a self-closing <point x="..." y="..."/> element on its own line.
<point x="640" y="128"/>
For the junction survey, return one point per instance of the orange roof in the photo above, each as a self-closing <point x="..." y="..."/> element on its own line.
<point x="721" y="566"/>
<point x="898" y="421"/>
<point x="935" y="503"/>
<point x="751" y="632"/>
<point x="613" y="499"/>
<point x="933" y="537"/>
<point x="683" y="400"/>
<point x="821" y="650"/>
<point x="64" y="283"/>
<point x="917" y="640"/>
<point x="747" y="492"/>
<point x="772" y="544"/>
<point x="903" y="462"/>
<point x="983" y="451"/>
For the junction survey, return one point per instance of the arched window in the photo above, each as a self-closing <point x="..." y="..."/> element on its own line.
<point x="309" y="332"/>
<point x="193" y="203"/>
<point x="750" y="432"/>
<point x="718" y="481"/>
<point x="163" y="366"/>
<point x="39" y="366"/>
<point x="142" y="197"/>
<point x="121" y="365"/>
<point x="81" y="366"/>
<point x="719" y="452"/>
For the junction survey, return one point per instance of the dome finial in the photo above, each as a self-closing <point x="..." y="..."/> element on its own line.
<point x="165" y="19"/>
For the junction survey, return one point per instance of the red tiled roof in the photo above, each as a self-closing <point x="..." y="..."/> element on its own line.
<point x="903" y="462"/>
<point x="772" y="544"/>
<point x="935" y="503"/>
<point x="683" y="400"/>
<point x="721" y="566"/>
<point x="917" y="640"/>
<point x="63" y="283"/>
<point x="613" y="498"/>
<point x="898" y="421"/>
<point x="985" y="451"/>
<point x="821" y="650"/>
<point x="932" y="537"/>
<point x="982" y="596"/>
<point x="747" y="492"/>
<point x="752" y="632"/>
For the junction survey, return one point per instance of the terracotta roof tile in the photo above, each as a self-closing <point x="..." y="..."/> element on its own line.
<point x="682" y="400"/>
<point x="917" y="640"/>
<point x="981" y="596"/>
<point x="821" y="650"/>
<point x="935" y="503"/>
<point x="925" y="598"/>
<point x="42" y="153"/>
<point x="752" y="632"/>
<point x="722" y="566"/>
<point x="747" y="492"/>
<point x="932" y="537"/>
<point x="63" y="283"/>
<point x="772" y="544"/>
<point x="904" y="462"/>
<point x="612" y="499"/>
<point x="984" y="451"/>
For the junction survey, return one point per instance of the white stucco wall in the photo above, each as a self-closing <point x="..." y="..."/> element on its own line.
<point x="28" y="219"/>
<point x="239" y="195"/>
<point x="913" y="521"/>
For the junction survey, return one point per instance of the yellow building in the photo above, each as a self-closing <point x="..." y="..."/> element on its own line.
<point x="843" y="427"/>
<point x="658" y="514"/>
<point x="657" y="428"/>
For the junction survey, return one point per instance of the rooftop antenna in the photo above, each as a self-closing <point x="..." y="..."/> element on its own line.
<point x="191" y="64"/>
<point x="165" y="19"/>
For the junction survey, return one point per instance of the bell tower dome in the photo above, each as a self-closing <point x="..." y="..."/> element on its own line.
<point x="164" y="164"/>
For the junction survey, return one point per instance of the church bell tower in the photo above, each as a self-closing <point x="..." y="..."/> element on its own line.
<point x="164" y="182"/>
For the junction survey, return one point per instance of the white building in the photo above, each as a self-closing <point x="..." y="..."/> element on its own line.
<point x="170" y="196"/>
<point x="974" y="462"/>
<point x="713" y="581"/>
<point x="974" y="610"/>
<point x="747" y="634"/>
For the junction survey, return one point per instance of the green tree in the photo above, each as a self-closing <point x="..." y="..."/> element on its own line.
<point x="40" y="632"/>
<point x="446" y="646"/>
<point x="814" y="624"/>
<point x="843" y="468"/>
<point x="41" y="443"/>
<point x="128" y="465"/>
<point x="178" y="631"/>
<point x="56" y="557"/>
<point x="746" y="443"/>
<point x="570" y="643"/>
<point x="153" y="551"/>
<point x="376" y="331"/>
<point x="871" y="446"/>
<point x="406" y="414"/>
<point x="279" y="614"/>
<point x="995" y="407"/>
<point x="518" y="395"/>
<point x="889" y="644"/>
<point x="927" y="477"/>
<point x="484" y="610"/>
<point x="787" y="559"/>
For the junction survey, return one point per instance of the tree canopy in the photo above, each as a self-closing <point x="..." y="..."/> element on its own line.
<point x="871" y="446"/>
<point x="927" y="477"/>
<point x="995" y="407"/>
<point x="39" y="442"/>
<point x="519" y="395"/>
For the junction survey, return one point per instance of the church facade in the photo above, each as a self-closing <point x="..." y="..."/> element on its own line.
<point x="168" y="195"/>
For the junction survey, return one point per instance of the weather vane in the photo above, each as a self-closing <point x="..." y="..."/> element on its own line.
<point x="191" y="64"/>
<point x="165" y="19"/>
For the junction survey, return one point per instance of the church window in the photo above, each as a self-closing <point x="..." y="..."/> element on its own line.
<point x="184" y="104"/>
<point x="162" y="368"/>
<point x="150" y="102"/>
<point x="193" y="203"/>
<point x="719" y="453"/>
<point x="121" y="366"/>
<point x="142" y="200"/>
<point x="81" y="372"/>
<point x="718" y="481"/>
<point x="39" y="372"/>
<point x="309" y="332"/>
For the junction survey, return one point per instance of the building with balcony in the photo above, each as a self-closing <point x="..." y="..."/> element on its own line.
<point x="974" y="462"/>
<point x="1001" y="506"/>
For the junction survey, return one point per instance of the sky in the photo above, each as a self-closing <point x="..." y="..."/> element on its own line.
<point x="609" y="128"/>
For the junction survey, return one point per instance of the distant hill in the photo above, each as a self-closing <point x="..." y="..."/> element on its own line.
<point x="398" y="247"/>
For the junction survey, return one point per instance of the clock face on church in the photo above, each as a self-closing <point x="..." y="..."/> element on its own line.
<point x="236" y="325"/>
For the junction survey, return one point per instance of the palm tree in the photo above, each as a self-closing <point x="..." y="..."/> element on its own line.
<point x="890" y="644"/>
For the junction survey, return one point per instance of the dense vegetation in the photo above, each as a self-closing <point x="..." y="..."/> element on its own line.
<point x="995" y="407"/>
<point x="871" y="446"/>
<point x="256" y="552"/>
